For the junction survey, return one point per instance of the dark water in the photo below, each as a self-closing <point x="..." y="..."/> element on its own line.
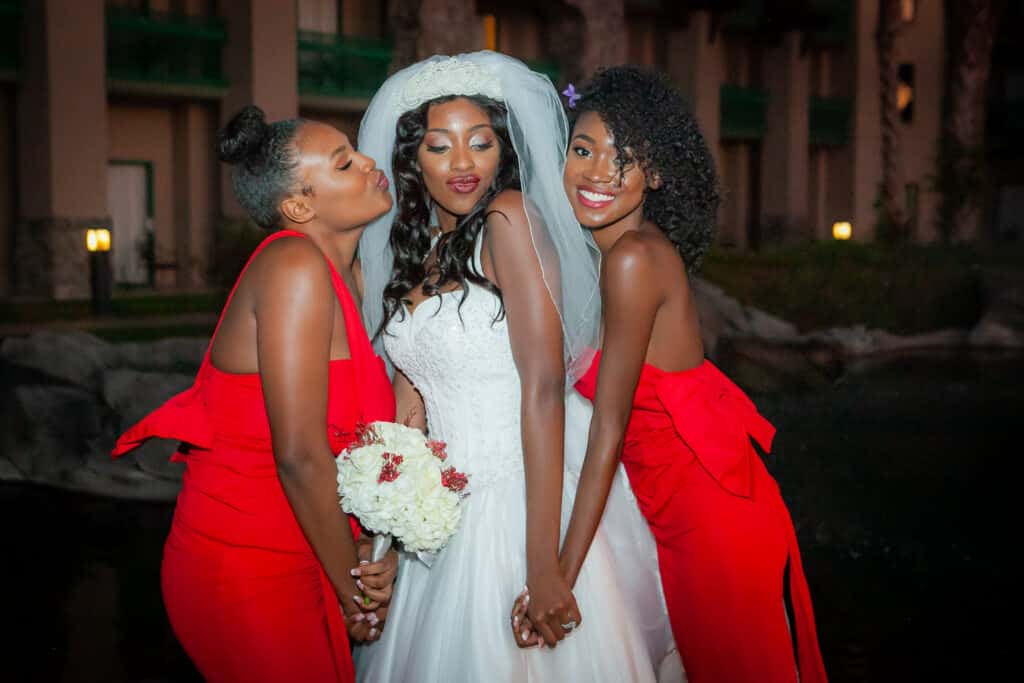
<point x="901" y="479"/>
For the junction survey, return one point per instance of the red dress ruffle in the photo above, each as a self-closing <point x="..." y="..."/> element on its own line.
<point x="725" y="538"/>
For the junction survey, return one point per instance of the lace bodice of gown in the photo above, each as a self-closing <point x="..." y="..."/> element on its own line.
<point x="460" y="360"/>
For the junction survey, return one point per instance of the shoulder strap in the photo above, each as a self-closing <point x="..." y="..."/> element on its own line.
<point x="359" y="346"/>
<point x="262" y="245"/>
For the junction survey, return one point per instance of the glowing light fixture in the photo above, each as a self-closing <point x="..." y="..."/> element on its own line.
<point x="842" y="230"/>
<point x="97" y="239"/>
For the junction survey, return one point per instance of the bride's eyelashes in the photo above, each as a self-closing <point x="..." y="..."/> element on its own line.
<point x="581" y="152"/>
<point x="437" y="149"/>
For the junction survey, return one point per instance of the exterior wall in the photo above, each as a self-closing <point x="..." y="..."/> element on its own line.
<point x="8" y="188"/>
<point x="867" y="134"/>
<point x="366" y="19"/>
<point x="786" y="71"/>
<point x="55" y="103"/>
<point x="196" y="192"/>
<point x="920" y="43"/>
<point x="346" y="122"/>
<point x="519" y="34"/>
<point x="146" y="133"/>
<point x="62" y="134"/>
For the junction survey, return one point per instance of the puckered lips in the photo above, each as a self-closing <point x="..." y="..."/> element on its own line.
<point x="464" y="184"/>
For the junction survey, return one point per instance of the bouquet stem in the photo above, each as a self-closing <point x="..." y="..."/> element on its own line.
<point x="381" y="545"/>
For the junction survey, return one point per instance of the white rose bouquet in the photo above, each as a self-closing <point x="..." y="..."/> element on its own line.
<point x="394" y="480"/>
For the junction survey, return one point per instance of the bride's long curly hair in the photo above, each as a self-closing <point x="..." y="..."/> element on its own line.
<point x="410" y="233"/>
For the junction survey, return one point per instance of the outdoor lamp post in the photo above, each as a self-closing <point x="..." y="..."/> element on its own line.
<point x="842" y="230"/>
<point x="97" y="242"/>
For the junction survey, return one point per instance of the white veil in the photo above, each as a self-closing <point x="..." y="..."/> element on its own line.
<point x="539" y="132"/>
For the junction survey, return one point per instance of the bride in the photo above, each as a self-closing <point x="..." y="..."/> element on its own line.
<point x="482" y="291"/>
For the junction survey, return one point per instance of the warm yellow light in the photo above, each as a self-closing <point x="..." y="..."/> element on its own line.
<point x="97" y="239"/>
<point x="908" y="10"/>
<point x="490" y="32"/>
<point x="904" y="96"/>
<point x="842" y="230"/>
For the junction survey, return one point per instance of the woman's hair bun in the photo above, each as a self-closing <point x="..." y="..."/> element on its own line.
<point x="243" y="135"/>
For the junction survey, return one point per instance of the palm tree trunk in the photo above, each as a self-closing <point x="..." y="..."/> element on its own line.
<point x="963" y="172"/>
<point x="603" y="22"/>
<point x="890" y="224"/>
<point x="448" y="27"/>
<point x="404" y="22"/>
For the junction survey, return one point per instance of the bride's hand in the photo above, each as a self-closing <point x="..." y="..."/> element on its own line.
<point x="552" y="607"/>
<point x="522" y="627"/>
<point x="375" y="579"/>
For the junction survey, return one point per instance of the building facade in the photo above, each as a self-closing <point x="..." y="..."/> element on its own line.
<point x="109" y="110"/>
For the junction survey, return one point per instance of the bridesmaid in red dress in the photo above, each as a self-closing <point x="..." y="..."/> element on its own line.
<point x="259" y="554"/>
<point x="641" y="179"/>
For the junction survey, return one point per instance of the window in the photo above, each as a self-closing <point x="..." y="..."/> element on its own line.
<point x="905" y="92"/>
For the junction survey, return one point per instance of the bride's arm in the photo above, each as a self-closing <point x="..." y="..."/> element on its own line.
<point x="408" y="403"/>
<point x="631" y="299"/>
<point x="535" y="332"/>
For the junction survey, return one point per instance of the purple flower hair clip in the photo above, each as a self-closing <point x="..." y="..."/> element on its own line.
<point x="573" y="96"/>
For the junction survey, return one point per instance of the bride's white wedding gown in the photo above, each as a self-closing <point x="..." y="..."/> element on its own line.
<point x="451" y="622"/>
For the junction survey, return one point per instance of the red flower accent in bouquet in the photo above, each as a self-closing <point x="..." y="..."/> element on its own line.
<point x="438" y="449"/>
<point x="389" y="472"/>
<point x="452" y="480"/>
<point x="365" y="434"/>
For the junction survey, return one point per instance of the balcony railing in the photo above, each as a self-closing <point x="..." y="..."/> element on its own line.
<point x="837" y="22"/>
<point x="830" y="121"/>
<point x="164" y="47"/>
<point x="825" y="22"/>
<point x="743" y="113"/>
<point x="333" y="65"/>
<point x="10" y="30"/>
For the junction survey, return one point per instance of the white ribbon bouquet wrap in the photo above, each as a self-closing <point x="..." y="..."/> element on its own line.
<point x="397" y="483"/>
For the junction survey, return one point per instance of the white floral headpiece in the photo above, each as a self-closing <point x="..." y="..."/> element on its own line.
<point x="451" y="76"/>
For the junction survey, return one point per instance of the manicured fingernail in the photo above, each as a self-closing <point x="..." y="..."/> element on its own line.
<point x="526" y="600"/>
<point x="359" y="617"/>
<point x="362" y="562"/>
<point x="358" y="599"/>
<point x="373" y="632"/>
<point x="355" y="572"/>
<point x="372" y="618"/>
<point x="525" y="634"/>
<point x="515" y="622"/>
<point x="361" y="586"/>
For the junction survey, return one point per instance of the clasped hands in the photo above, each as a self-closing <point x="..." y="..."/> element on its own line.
<point x="545" y="612"/>
<point x="365" y="614"/>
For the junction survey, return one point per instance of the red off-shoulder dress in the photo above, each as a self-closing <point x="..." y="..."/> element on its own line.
<point x="725" y="538"/>
<point x="244" y="592"/>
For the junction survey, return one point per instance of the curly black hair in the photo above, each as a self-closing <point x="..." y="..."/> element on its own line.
<point x="653" y="126"/>
<point x="263" y="160"/>
<point x="410" y="232"/>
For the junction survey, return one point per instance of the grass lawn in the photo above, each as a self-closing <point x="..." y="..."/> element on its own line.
<point x="906" y="289"/>
<point x="123" y="305"/>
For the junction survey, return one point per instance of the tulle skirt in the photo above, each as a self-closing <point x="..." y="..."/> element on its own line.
<point x="451" y="622"/>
